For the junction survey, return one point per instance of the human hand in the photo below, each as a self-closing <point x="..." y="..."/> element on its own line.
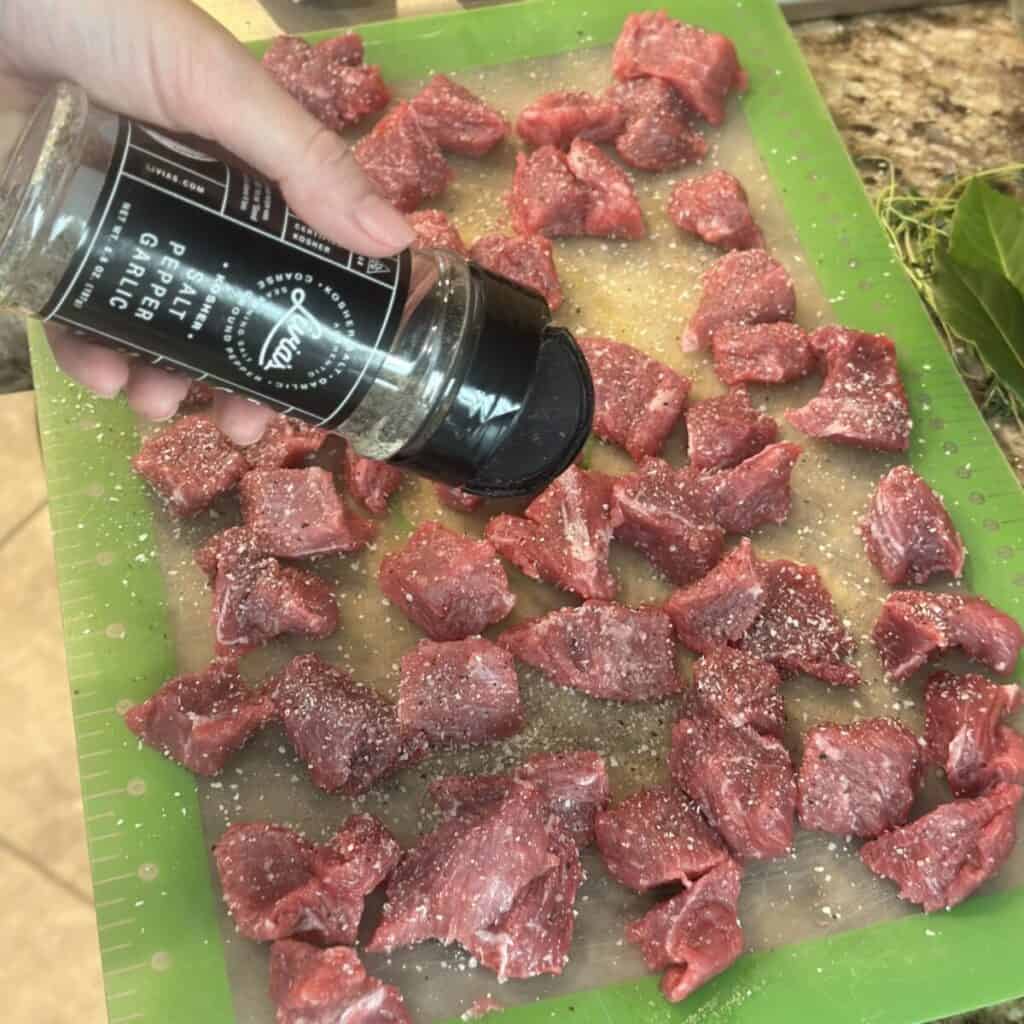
<point x="166" y="62"/>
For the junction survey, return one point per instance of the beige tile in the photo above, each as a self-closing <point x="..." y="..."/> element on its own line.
<point x="21" y="467"/>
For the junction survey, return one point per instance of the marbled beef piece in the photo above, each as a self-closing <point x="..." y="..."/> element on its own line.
<point x="613" y="210"/>
<point x="637" y="400"/>
<point x="908" y="533"/>
<point x="457" y="119"/>
<point x="297" y="512"/>
<point x="190" y="464"/>
<point x="714" y="207"/>
<point x="277" y="884"/>
<point x="458" y="499"/>
<point x="450" y="585"/>
<point x="556" y="118"/>
<point x="724" y="430"/>
<point x="940" y="859"/>
<point x="601" y="648"/>
<point x="657" y="837"/>
<point x="701" y="66"/>
<point x="528" y="260"/>
<point x="695" y="935"/>
<point x="285" y="443"/>
<point x="464" y="692"/>
<point x="746" y="286"/>
<point x="743" y="690"/>
<point x="964" y="732"/>
<point x="200" y="720"/>
<point x="916" y="625"/>
<point x="232" y="543"/>
<point x="762" y="353"/>
<point x="861" y="401"/>
<point x="348" y="737"/>
<point x="658" y="133"/>
<point x="435" y="231"/>
<point x="370" y="482"/>
<point x="860" y="779"/>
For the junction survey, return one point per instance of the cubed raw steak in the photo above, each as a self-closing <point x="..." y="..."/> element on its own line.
<point x="613" y="210"/>
<point x="701" y="66"/>
<point x="450" y="585"/>
<point x="743" y="690"/>
<point x="940" y="859"/>
<point x="762" y="353"/>
<point x="348" y="737"/>
<point x="658" y="134"/>
<point x="714" y="207"/>
<point x="233" y="543"/>
<point x="276" y="884"/>
<point x="743" y="781"/>
<point x="402" y="160"/>
<point x="458" y="499"/>
<point x="695" y="935"/>
<point x="861" y="401"/>
<point x="565" y="535"/>
<point x="201" y="720"/>
<point x="724" y="430"/>
<point x="285" y="443"/>
<point x="637" y="400"/>
<point x="460" y="692"/>
<point x="329" y="986"/>
<point x="298" y="512"/>
<point x="964" y="732"/>
<point x="190" y="464"/>
<point x="860" y="779"/>
<point x="457" y="119"/>
<point x="527" y="260"/>
<point x="721" y="606"/>
<point x="604" y="649"/>
<point x="756" y="492"/>
<point x="915" y="625"/>
<point x="746" y="286"/>
<point x="660" y="511"/>
<point x="657" y="837"/>
<point x="556" y="118"/>
<point x="370" y="482"/>
<point x="435" y="231"/>
<point x="908" y="533"/>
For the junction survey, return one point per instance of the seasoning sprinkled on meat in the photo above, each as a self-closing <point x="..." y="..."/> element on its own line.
<point x="556" y="118"/>
<point x="743" y="690"/>
<point x="714" y="207"/>
<point x="457" y="119"/>
<point x="724" y="430"/>
<point x="754" y="493"/>
<point x="658" y="132"/>
<point x="773" y="353"/>
<point x="457" y="499"/>
<point x="370" y="482"/>
<point x="286" y="442"/>
<point x="527" y="260"/>
<point x="435" y="231"/>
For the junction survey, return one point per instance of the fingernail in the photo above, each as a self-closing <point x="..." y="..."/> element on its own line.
<point x="382" y="222"/>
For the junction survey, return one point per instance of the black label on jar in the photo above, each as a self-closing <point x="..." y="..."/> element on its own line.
<point x="196" y="265"/>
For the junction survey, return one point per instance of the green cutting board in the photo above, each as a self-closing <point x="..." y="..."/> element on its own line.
<point x="162" y="948"/>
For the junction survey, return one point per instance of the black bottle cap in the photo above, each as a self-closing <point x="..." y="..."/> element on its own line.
<point x="523" y="406"/>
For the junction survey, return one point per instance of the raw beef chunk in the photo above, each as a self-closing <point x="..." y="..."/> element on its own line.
<point x="370" y="482"/>
<point x="461" y="692"/>
<point x="199" y="393"/>
<point x="657" y="837"/>
<point x="861" y="401"/>
<point x="714" y="207"/>
<point x="330" y="79"/>
<point x="725" y="430"/>
<point x="745" y="286"/>
<point x="743" y="781"/>
<point x="190" y="464"/>
<point x="964" y="734"/>
<point x="745" y="691"/>
<point x="285" y="443"/>
<point x="329" y="986"/>
<point x="348" y="737"/>
<point x="450" y="585"/>
<point x="525" y="259"/>
<point x="458" y="499"/>
<point x="613" y="210"/>
<point x="658" y="133"/>
<point x="557" y="118"/>
<point x="660" y="511"/>
<point x="695" y="935"/>
<point x="277" y="884"/>
<point x="860" y="779"/>
<point x="762" y="353"/>
<point x="723" y="605"/>
<point x="456" y="119"/>
<point x="637" y="400"/>
<point x="234" y="542"/>
<point x="298" y="512"/>
<point x="565" y="535"/>
<point x="756" y="492"/>
<point x="701" y="66"/>
<point x="435" y="231"/>
<point x="940" y="859"/>
<point x="201" y="720"/>
<point x="604" y="649"/>
<point x="402" y="160"/>
<point x="916" y="625"/>
<point x="907" y="531"/>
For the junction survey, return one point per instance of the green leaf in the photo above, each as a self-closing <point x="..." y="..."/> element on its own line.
<point x="988" y="233"/>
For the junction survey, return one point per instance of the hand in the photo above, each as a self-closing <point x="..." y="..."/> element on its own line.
<point x="166" y="62"/>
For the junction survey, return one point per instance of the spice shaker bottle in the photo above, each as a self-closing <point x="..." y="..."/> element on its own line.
<point x="156" y="245"/>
